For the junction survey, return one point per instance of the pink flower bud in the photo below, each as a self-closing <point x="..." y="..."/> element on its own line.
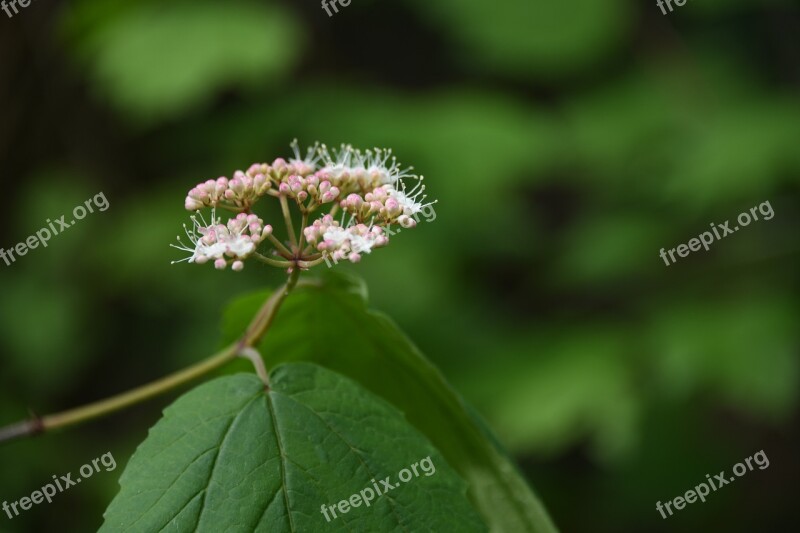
<point x="192" y="205"/>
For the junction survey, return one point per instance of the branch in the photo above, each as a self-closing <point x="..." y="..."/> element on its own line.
<point x="255" y="331"/>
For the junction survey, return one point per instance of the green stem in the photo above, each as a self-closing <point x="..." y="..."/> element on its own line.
<point x="287" y="217"/>
<point x="263" y="319"/>
<point x="311" y="264"/>
<point x="115" y="403"/>
<point x="302" y="239"/>
<point x="279" y="245"/>
<point x="255" y="331"/>
<point x="273" y="262"/>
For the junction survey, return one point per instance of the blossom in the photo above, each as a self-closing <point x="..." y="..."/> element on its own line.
<point x="353" y="169"/>
<point x="239" y="193"/>
<point x="332" y="239"/>
<point x="302" y="188"/>
<point x="389" y="204"/>
<point x="223" y="243"/>
<point x="370" y="187"/>
<point x="305" y="165"/>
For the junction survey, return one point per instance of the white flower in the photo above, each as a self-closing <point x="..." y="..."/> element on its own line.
<point x="336" y="236"/>
<point x="407" y="200"/>
<point x="308" y="164"/>
<point x="239" y="246"/>
<point x="363" y="170"/>
<point x="383" y="169"/>
<point x="364" y="243"/>
<point x="218" y="242"/>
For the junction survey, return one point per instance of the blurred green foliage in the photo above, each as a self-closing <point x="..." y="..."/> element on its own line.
<point x="567" y="143"/>
<point x="153" y="60"/>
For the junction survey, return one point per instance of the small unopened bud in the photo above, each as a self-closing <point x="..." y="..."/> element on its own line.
<point x="192" y="205"/>
<point x="406" y="221"/>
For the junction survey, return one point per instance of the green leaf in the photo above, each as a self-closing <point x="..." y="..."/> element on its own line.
<point x="327" y="322"/>
<point x="231" y="456"/>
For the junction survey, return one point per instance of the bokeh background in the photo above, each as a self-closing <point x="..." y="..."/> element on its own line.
<point x="567" y="142"/>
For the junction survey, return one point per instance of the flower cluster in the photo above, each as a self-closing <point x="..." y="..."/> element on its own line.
<point x="362" y="171"/>
<point x="388" y="204"/>
<point x="329" y="237"/>
<point x="369" y="187"/>
<point x="223" y="243"/>
<point x="300" y="189"/>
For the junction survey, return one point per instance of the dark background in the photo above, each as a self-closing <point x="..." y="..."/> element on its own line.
<point x="567" y="141"/>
